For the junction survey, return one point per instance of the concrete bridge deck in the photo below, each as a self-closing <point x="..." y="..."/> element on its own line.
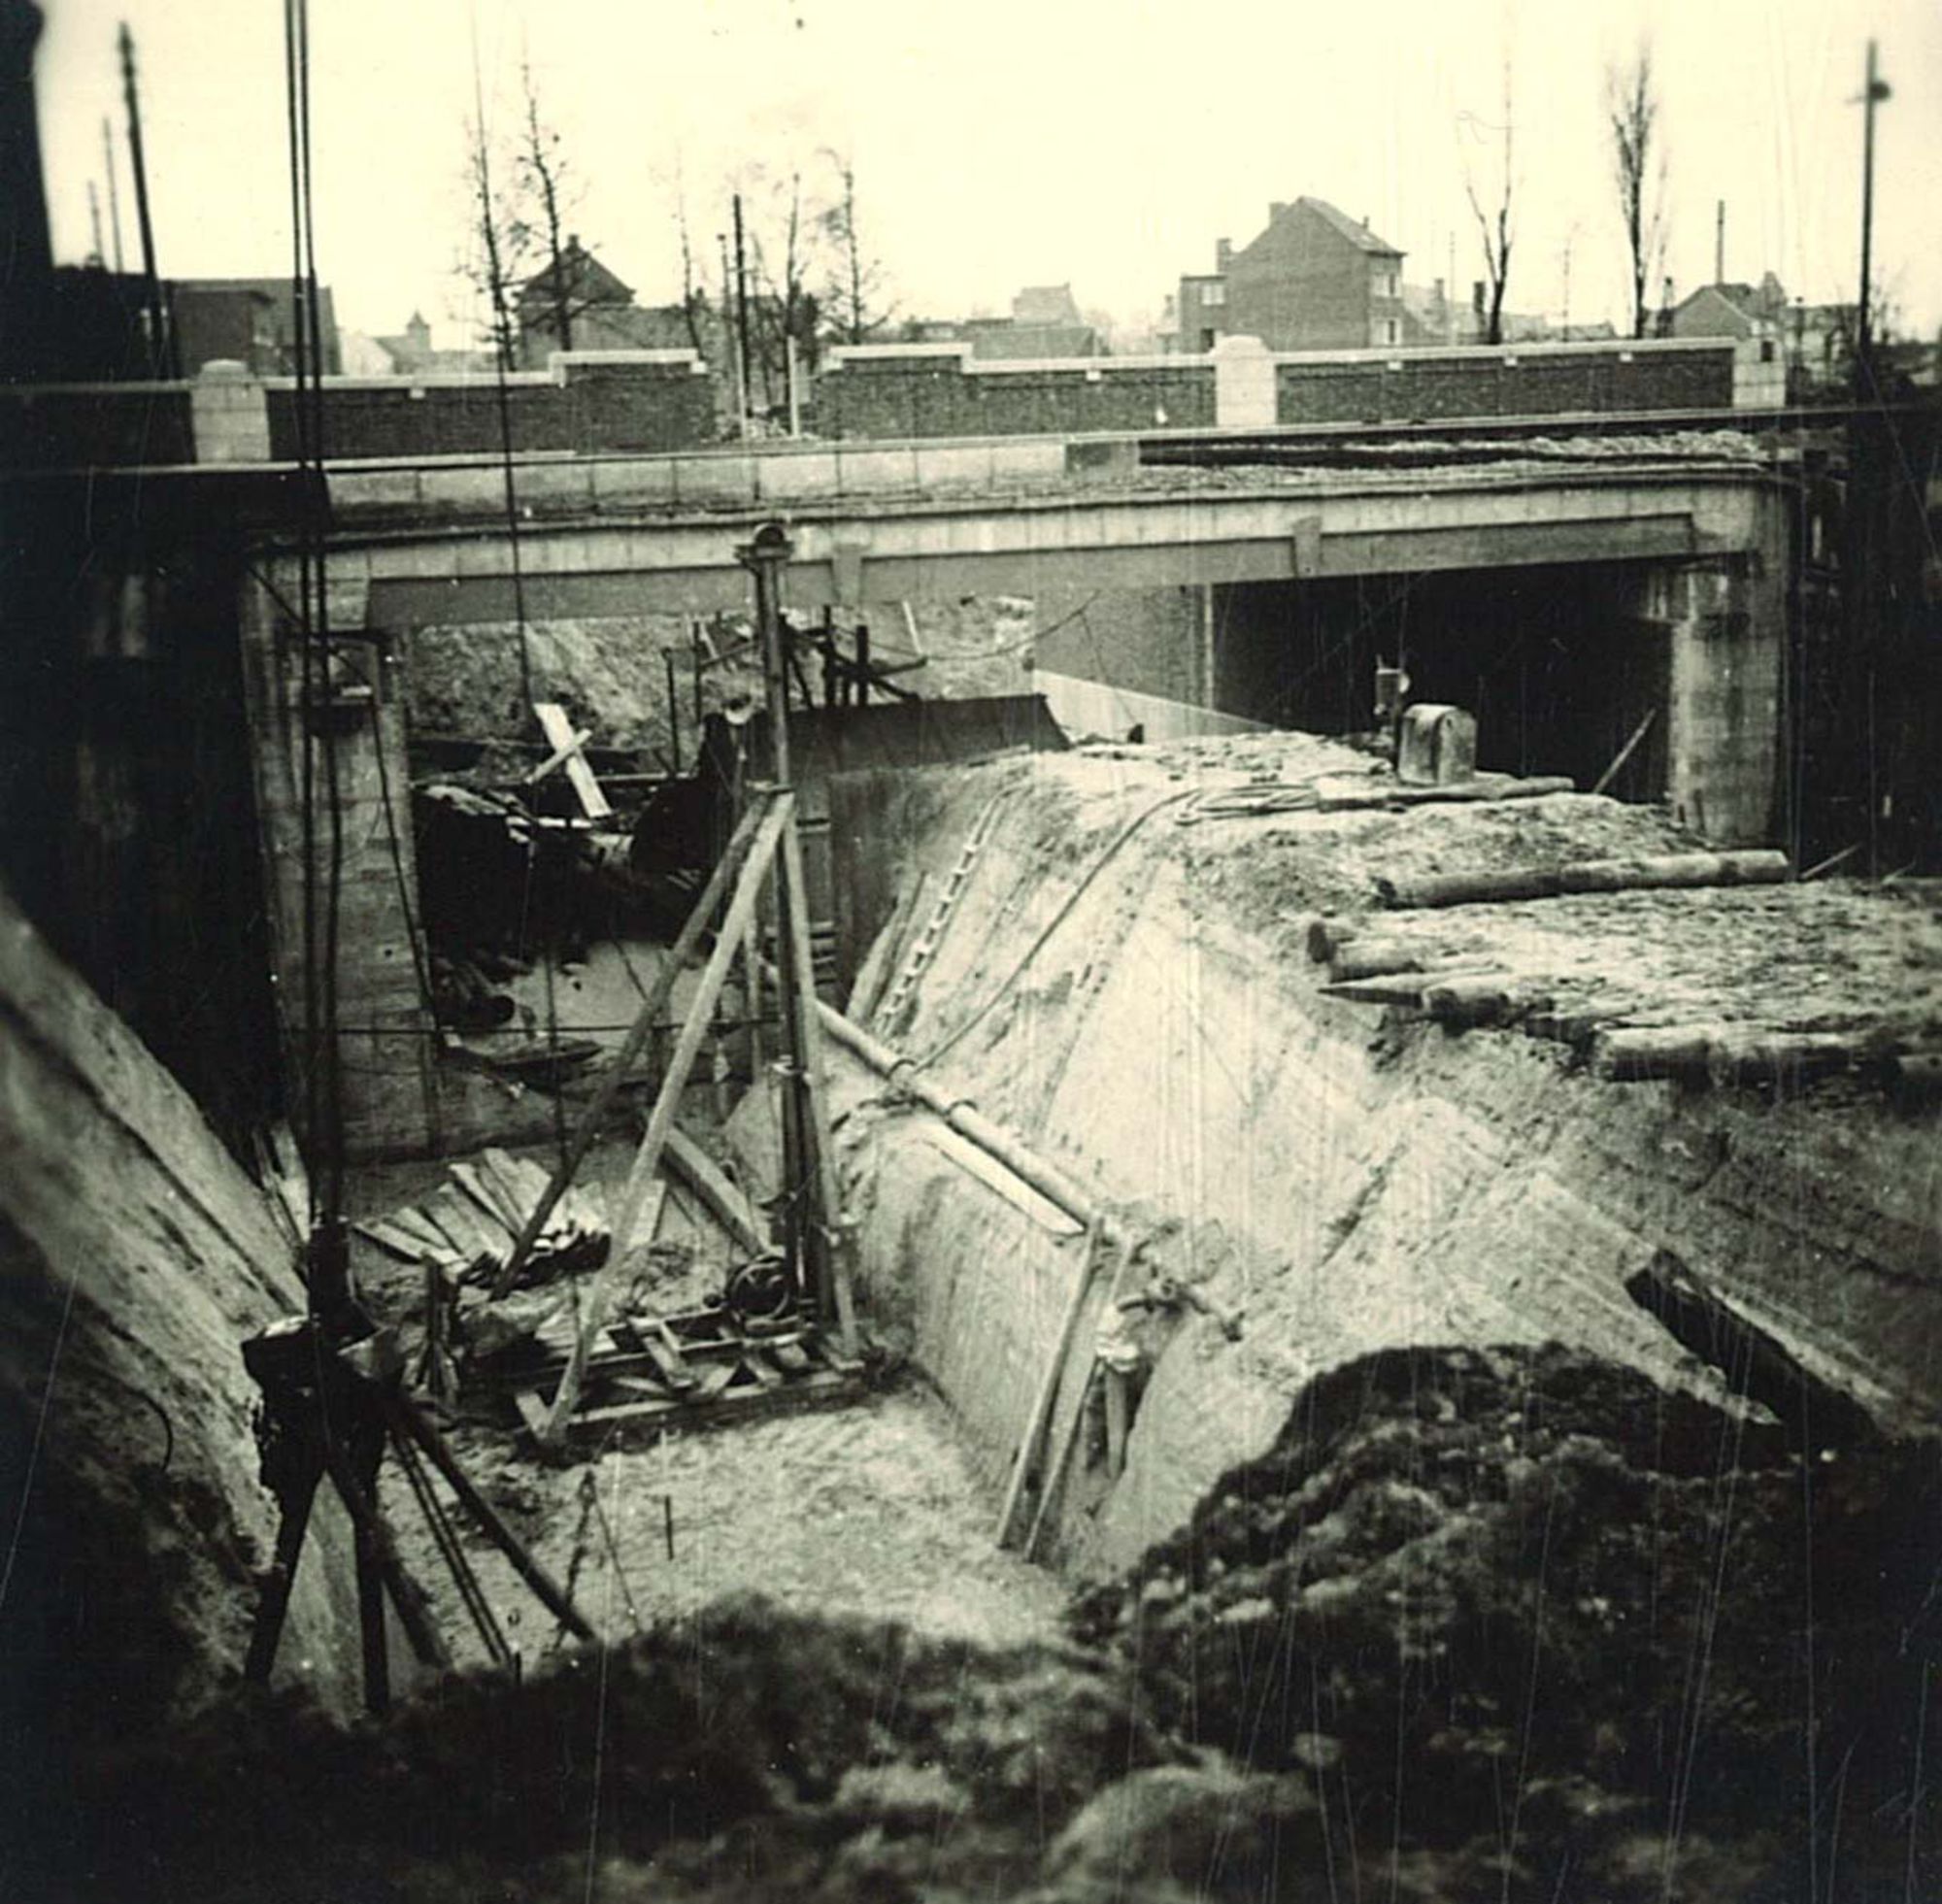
<point x="412" y="545"/>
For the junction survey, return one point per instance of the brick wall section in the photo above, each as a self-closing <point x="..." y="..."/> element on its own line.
<point x="597" y="408"/>
<point x="96" y="426"/>
<point x="900" y="397"/>
<point x="1508" y="382"/>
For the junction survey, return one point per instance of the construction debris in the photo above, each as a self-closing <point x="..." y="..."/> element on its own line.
<point x="467" y="1228"/>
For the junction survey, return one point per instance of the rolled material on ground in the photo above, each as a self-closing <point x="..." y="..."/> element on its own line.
<point x="1758" y="867"/>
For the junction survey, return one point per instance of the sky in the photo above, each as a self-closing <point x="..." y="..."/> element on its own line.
<point x="1103" y="142"/>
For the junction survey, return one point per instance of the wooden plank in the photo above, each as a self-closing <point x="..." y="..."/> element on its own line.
<point x="712" y="1184"/>
<point x="391" y="1240"/>
<point x="773" y="830"/>
<point x="560" y="737"/>
<point x="470" y="1182"/>
<point x="693" y="929"/>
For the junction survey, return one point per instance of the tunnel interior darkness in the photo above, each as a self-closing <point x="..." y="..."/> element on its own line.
<point x="1555" y="662"/>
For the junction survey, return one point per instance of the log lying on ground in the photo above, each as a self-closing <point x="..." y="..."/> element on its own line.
<point x="1729" y="1054"/>
<point x="1782" y="1058"/>
<point x="1761" y="867"/>
<point x="1481" y="998"/>
<point x="1346" y="796"/>
<point x="1634" y="1054"/>
<point x="1375" y="958"/>
<point x="1326" y="935"/>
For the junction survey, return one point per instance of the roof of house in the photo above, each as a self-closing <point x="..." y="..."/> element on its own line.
<point x="1358" y="235"/>
<point x="588" y="281"/>
<point x="1045" y="304"/>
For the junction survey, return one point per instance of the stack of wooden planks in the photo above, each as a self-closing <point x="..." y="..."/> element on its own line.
<point x="468" y="1224"/>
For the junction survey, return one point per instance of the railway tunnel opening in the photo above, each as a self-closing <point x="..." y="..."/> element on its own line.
<point x="1559" y="663"/>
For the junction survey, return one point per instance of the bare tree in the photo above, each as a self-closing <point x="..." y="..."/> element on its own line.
<point x="854" y="300"/>
<point x="1495" y="231"/>
<point x="501" y="242"/>
<point x="547" y="183"/>
<point x="1638" y="168"/>
<point x="785" y="312"/>
<point x="693" y="299"/>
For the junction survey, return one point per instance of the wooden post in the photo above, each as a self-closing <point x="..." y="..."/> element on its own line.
<point x="647" y="1160"/>
<point x="637" y="1038"/>
<point x="1048" y="1390"/>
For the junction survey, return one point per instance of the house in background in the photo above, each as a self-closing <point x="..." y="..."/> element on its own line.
<point x="1741" y="312"/>
<point x="250" y="320"/>
<point x="410" y="352"/>
<point x="1815" y="341"/>
<point x="580" y="305"/>
<point x="1314" y="280"/>
<point x="1045" y="323"/>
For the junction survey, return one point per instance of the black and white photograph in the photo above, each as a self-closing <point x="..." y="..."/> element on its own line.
<point x="970" y="955"/>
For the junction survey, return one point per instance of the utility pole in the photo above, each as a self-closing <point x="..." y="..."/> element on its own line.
<point x="98" y="255"/>
<point x="158" y="353"/>
<point x="1875" y="92"/>
<point x="1720" y="241"/>
<point x="742" y="311"/>
<point x="114" y="192"/>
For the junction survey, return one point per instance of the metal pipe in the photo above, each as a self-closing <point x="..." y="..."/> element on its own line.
<point x="970" y="1124"/>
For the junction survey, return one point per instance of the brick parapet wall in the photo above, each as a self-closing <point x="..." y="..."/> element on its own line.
<point x="589" y="403"/>
<point x="902" y="393"/>
<point x="1515" y="380"/>
<point x="96" y="426"/>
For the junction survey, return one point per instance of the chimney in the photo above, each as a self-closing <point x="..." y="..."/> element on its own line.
<point x="1719" y="243"/>
<point x="1224" y="253"/>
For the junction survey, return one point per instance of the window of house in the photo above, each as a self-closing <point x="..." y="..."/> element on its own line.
<point x="1392" y="330"/>
<point x="1207" y="339"/>
<point x="1213" y="295"/>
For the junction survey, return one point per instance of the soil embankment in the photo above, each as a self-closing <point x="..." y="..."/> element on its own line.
<point x="134" y="1258"/>
<point x="1125" y="982"/>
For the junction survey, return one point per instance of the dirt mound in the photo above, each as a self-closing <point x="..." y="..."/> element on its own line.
<point x="751" y="1754"/>
<point x="1528" y="1618"/>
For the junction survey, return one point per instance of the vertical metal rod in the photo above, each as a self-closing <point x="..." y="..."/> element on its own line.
<point x="114" y="191"/>
<point x="765" y="557"/>
<point x="742" y="334"/>
<point x="674" y="711"/>
<point x="157" y="344"/>
<point x="1868" y="202"/>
